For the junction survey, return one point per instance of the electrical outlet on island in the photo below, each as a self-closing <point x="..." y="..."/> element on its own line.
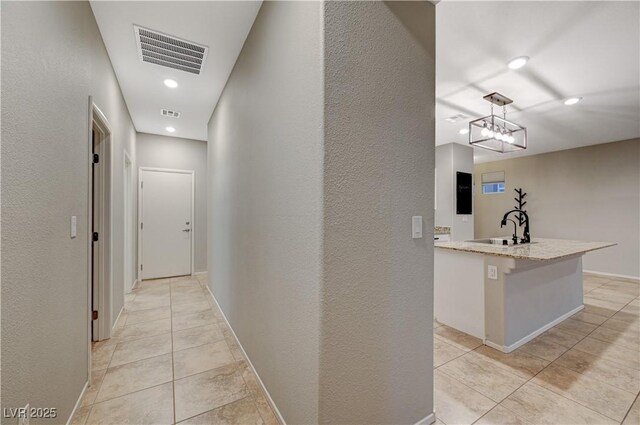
<point x="492" y="272"/>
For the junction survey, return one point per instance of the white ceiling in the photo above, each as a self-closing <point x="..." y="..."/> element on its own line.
<point x="588" y="49"/>
<point x="221" y="26"/>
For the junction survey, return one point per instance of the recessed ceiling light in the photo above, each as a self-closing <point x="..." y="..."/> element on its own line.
<point x="170" y="83"/>
<point x="170" y="129"/>
<point x="518" y="62"/>
<point x="463" y="131"/>
<point x="572" y="101"/>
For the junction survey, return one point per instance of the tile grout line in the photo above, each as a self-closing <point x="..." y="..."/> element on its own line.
<point x="132" y="392"/>
<point x="500" y="404"/>
<point x="235" y="362"/>
<point x="106" y="369"/>
<point x="630" y="407"/>
<point x="609" y="342"/>
<point x="617" y="344"/>
<point x="504" y="370"/>
<point x="198" y="346"/>
<point x="143" y="336"/>
<point x="173" y="371"/>
<point x="542" y="370"/>
<point x="552" y="362"/>
<point x="457" y="357"/>
<point x="215" y="308"/>
<point x="212" y="307"/>
<point x="216" y="408"/>
<point x="466" y="385"/>
<point x="449" y="361"/>
<point x="141" y="360"/>
<point x="500" y="365"/>
<point x="109" y="365"/>
<point x="473" y="389"/>
<point x="209" y="370"/>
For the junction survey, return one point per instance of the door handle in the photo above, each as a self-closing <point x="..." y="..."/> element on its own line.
<point x="186" y="230"/>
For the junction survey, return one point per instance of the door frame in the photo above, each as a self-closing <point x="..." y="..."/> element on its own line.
<point x="99" y="120"/>
<point x="128" y="186"/>
<point x="140" y="200"/>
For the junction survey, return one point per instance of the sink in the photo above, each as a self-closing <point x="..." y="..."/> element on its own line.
<point x="488" y="242"/>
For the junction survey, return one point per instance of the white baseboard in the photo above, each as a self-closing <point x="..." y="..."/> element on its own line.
<point x="623" y="276"/>
<point x="427" y="420"/>
<point x="253" y="369"/>
<point x="199" y="273"/>
<point x="113" y="328"/>
<point x="75" y="408"/>
<point x="135" y="284"/>
<point x="510" y="348"/>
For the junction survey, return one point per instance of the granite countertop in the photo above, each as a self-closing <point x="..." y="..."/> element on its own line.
<point x="542" y="249"/>
<point x="442" y="230"/>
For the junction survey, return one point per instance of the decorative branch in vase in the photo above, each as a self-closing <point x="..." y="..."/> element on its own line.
<point x="521" y="203"/>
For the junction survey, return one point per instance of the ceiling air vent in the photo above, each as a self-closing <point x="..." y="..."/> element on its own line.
<point x="456" y="118"/>
<point x="169" y="113"/>
<point x="171" y="52"/>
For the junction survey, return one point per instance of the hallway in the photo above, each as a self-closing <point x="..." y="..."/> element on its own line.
<point x="172" y="359"/>
<point x="236" y="213"/>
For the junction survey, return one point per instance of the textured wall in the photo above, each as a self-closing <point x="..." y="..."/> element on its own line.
<point x="104" y="88"/>
<point x="450" y="159"/>
<point x="182" y="154"/>
<point x="590" y="193"/>
<point x="445" y="191"/>
<point x="52" y="60"/>
<point x="320" y="151"/>
<point x="265" y="168"/>
<point x="377" y="296"/>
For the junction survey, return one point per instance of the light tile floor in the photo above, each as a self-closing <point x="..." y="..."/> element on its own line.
<point x="586" y="370"/>
<point x="172" y="359"/>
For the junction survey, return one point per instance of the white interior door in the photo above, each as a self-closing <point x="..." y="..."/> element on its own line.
<point x="166" y="223"/>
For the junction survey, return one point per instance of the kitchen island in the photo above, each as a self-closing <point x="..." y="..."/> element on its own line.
<point x="508" y="295"/>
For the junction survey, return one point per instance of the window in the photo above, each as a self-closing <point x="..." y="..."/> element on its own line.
<point x="493" y="182"/>
<point x="492" y="188"/>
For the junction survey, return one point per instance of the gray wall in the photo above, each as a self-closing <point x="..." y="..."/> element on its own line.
<point x="444" y="186"/>
<point x="590" y="193"/>
<point x="377" y="298"/>
<point x="182" y="154"/>
<point x="450" y="159"/>
<point x="52" y="59"/>
<point x="321" y="149"/>
<point x="265" y="168"/>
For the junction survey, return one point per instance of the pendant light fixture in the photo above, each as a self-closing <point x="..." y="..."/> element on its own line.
<point x="496" y="133"/>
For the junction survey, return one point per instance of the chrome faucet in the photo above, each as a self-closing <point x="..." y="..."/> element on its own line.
<point x="526" y="238"/>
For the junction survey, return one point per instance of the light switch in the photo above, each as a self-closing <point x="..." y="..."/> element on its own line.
<point x="74" y="226"/>
<point x="416" y="227"/>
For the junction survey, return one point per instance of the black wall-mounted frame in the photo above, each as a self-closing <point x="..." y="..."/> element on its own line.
<point x="464" y="193"/>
